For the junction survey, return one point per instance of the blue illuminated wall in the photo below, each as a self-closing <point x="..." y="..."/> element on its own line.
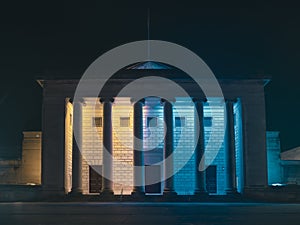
<point x="184" y="158"/>
<point x="283" y="167"/>
<point x="185" y="178"/>
<point x="153" y="134"/>
<point x="214" y="112"/>
<point x="184" y="132"/>
<point x="273" y="156"/>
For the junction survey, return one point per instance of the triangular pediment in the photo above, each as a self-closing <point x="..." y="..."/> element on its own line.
<point x="149" y="65"/>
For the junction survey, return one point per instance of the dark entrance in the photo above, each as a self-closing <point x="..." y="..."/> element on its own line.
<point x="211" y="179"/>
<point x="95" y="179"/>
<point x="152" y="173"/>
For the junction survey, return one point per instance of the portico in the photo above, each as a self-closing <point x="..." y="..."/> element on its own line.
<point x="145" y="132"/>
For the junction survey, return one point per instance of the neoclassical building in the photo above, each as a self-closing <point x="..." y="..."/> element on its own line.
<point x="237" y="165"/>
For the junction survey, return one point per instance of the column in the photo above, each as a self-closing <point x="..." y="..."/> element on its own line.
<point x="77" y="147"/>
<point x="138" y="155"/>
<point x="200" y="147"/>
<point x="230" y="148"/>
<point x="168" y="148"/>
<point x="107" y="185"/>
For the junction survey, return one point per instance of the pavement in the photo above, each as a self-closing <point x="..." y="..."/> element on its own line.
<point x="146" y="213"/>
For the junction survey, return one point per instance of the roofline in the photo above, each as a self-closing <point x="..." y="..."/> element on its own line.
<point x="73" y="75"/>
<point x="40" y="82"/>
<point x="267" y="81"/>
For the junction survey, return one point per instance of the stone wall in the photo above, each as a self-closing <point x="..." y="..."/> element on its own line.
<point x="184" y="179"/>
<point x="122" y="143"/>
<point x="10" y="171"/>
<point x="153" y="132"/>
<point x="31" y="158"/>
<point x="184" y="146"/>
<point x="273" y="156"/>
<point x="27" y="170"/>
<point x="122" y="123"/>
<point x="91" y="139"/>
<point x="215" y="154"/>
<point x="291" y="172"/>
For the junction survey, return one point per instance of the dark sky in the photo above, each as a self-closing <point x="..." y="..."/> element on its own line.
<point x="38" y="39"/>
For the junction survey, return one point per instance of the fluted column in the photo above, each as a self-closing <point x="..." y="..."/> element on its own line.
<point x="77" y="146"/>
<point x="138" y="155"/>
<point x="230" y="149"/>
<point x="107" y="184"/>
<point x="199" y="151"/>
<point x="169" y="147"/>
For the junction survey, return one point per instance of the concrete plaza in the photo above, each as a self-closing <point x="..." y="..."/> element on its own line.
<point x="149" y="213"/>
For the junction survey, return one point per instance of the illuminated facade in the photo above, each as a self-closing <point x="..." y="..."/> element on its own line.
<point x="283" y="167"/>
<point x="239" y="165"/>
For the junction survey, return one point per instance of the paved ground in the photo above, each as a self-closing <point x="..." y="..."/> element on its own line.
<point x="149" y="213"/>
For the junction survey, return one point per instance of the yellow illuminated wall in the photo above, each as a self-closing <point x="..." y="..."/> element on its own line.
<point x="27" y="170"/>
<point x="122" y="121"/>
<point x="91" y="139"/>
<point x="31" y="158"/>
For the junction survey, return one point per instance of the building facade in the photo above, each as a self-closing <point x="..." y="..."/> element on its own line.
<point x="25" y="170"/>
<point x="167" y="128"/>
<point x="283" y="167"/>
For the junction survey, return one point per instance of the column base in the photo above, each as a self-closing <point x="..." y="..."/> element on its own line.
<point x="53" y="191"/>
<point x="170" y="193"/>
<point x="76" y="192"/>
<point x="201" y="193"/>
<point x="137" y="194"/>
<point x="52" y="194"/>
<point x="232" y="192"/>
<point x="107" y="193"/>
<point x="255" y="192"/>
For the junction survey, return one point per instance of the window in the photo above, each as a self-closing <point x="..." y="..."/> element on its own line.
<point x="179" y="121"/>
<point x="207" y="121"/>
<point x="124" y="121"/>
<point x="97" y="121"/>
<point x="151" y="121"/>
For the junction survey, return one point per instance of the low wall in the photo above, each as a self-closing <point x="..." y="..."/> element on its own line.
<point x="13" y="193"/>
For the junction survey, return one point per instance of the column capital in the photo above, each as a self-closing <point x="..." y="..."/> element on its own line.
<point x="230" y="100"/>
<point x="78" y="100"/>
<point x="200" y="99"/>
<point x="107" y="99"/>
<point x="134" y="100"/>
<point x="171" y="101"/>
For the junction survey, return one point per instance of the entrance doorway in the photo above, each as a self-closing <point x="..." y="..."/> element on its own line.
<point x="95" y="179"/>
<point x="153" y="173"/>
<point x="211" y="179"/>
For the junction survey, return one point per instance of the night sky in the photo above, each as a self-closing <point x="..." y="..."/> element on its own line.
<point x="42" y="40"/>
